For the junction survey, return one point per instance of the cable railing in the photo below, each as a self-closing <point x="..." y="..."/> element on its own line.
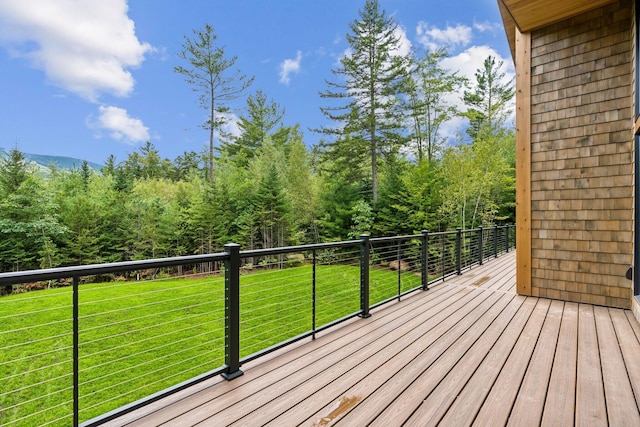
<point x="106" y="339"/>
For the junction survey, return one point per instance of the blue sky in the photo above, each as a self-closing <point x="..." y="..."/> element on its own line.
<point x="90" y="78"/>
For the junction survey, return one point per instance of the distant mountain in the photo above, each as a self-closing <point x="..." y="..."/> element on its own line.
<point x="46" y="161"/>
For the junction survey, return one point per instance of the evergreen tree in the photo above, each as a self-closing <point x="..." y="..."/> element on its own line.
<point x="271" y="210"/>
<point x="210" y="74"/>
<point x="185" y="164"/>
<point x="371" y="75"/>
<point x="13" y="171"/>
<point x="256" y="125"/>
<point x="489" y="101"/>
<point x="109" y="167"/>
<point x="28" y="220"/>
<point x="150" y="161"/>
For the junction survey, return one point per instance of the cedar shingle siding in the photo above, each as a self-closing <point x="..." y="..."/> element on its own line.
<point x="582" y="157"/>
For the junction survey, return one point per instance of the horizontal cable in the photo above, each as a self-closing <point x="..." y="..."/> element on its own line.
<point x="155" y="325"/>
<point x="26" y="328"/>
<point x="141" y="341"/>
<point x="68" y="402"/>
<point x="41" y="296"/>
<point x="145" y="293"/>
<point x="44" y="310"/>
<point x="39" y="398"/>
<point x="164" y="378"/>
<point x="38" y="340"/>
<point x="133" y="319"/>
<point x="102" y="313"/>
<point x="36" y="355"/>
<point x="172" y="355"/>
<point x="102" y="286"/>
<point x="57" y="378"/>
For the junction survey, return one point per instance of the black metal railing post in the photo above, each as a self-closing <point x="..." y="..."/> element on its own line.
<point x="313" y="297"/>
<point x="442" y="240"/>
<point x="458" y="251"/>
<point x="425" y="260"/>
<point x="364" y="276"/>
<point x="76" y="355"/>
<point x="480" y="246"/>
<point x="232" y="312"/>
<point x="399" y="261"/>
<point x="495" y="241"/>
<point x="506" y="238"/>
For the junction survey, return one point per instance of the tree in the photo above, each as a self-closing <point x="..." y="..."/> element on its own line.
<point x="210" y="75"/>
<point x="428" y="88"/>
<point x="271" y="210"/>
<point x="261" y="117"/>
<point x="29" y="220"/>
<point x="14" y="171"/>
<point x="151" y="162"/>
<point x="488" y="102"/>
<point x="371" y="75"/>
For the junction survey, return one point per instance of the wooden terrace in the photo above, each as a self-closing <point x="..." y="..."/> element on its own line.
<point x="469" y="351"/>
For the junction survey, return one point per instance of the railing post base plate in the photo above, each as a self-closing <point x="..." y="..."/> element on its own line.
<point x="232" y="376"/>
<point x="364" y="315"/>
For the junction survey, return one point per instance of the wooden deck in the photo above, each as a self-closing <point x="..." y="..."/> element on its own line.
<point x="467" y="352"/>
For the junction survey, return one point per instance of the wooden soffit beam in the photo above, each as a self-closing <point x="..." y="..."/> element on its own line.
<point x="528" y="15"/>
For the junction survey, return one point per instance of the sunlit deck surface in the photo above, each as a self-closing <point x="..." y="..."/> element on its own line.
<point x="467" y="352"/>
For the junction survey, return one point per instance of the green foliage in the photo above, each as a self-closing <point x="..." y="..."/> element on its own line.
<point x="361" y="220"/>
<point x="256" y="126"/>
<point x="13" y="172"/>
<point x="428" y="86"/>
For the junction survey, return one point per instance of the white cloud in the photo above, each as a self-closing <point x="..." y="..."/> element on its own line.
<point x="466" y="63"/>
<point x="119" y="125"/>
<point x="289" y="66"/>
<point x="470" y="60"/>
<point x="487" y="26"/>
<point x="84" y="46"/>
<point x="230" y="125"/>
<point x="404" y="44"/>
<point x="434" y="38"/>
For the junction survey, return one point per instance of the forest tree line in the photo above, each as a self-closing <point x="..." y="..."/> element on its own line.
<point x="384" y="167"/>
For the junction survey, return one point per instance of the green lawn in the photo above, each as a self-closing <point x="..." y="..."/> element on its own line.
<point x="137" y="338"/>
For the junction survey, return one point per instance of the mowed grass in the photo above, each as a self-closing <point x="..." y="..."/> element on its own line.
<point x="137" y="338"/>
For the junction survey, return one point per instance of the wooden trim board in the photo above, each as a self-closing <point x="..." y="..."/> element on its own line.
<point x="523" y="163"/>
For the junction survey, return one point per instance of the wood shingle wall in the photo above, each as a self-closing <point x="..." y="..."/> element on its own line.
<point x="582" y="157"/>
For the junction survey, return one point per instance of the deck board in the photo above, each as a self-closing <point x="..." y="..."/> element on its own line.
<point x="591" y="407"/>
<point x="497" y="406"/>
<point x="529" y="404"/>
<point x="497" y="336"/>
<point x="621" y="405"/>
<point x="468" y="401"/>
<point x="559" y="408"/>
<point x="467" y="352"/>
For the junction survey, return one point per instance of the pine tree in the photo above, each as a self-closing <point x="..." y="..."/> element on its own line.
<point x="271" y="210"/>
<point x="370" y="76"/>
<point x="13" y="171"/>
<point x="488" y="102"/>
<point x="256" y="125"/>
<point x="210" y="74"/>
